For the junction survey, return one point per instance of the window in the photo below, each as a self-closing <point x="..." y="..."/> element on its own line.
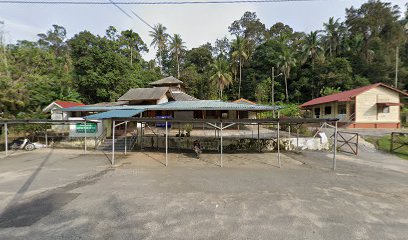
<point x="317" y="112"/>
<point x="342" y="109"/>
<point x="383" y="109"/>
<point x="327" y="110"/>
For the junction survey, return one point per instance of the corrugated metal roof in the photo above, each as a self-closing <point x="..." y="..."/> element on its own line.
<point x="182" y="105"/>
<point x="180" y="96"/>
<point x="211" y="105"/>
<point x="167" y="80"/>
<point x="347" y="95"/>
<point x="138" y="94"/>
<point x="115" y="114"/>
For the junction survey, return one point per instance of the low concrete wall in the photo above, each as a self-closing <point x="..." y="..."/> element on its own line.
<point x="236" y="144"/>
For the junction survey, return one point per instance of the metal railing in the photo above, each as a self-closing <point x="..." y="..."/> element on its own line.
<point x="101" y="138"/>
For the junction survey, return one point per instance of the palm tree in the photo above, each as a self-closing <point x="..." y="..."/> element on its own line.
<point x="221" y="74"/>
<point x="240" y="53"/>
<point x="332" y="31"/>
<point x="286" y="62"/>
<point x="312" y="47"/>
<point x="160" y="37"/>
<point x="177" y="47"/>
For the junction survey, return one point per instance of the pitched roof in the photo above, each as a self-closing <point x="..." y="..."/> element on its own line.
<point x="167" y="80"/>
<point x="138" y="94"/>
<point x="182" y="106"/>
<point x="347" y="95"/>
<point x="244" y="101"/>
<point x="67" y="104"/>
<point x="61" y="104"/>
<point x="180" y="96"/>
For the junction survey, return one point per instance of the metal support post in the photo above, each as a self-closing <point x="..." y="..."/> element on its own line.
<point x="221" y="142"/>
<point x="46" y="138"/>
<point x="259" y="143"/>
<point x="6" y="138"/>
<point x="126" y="137"/>
<point x="167" y="146"/>
<point x="113" y="143"/>
<point x="297" y="137"/>
<point x="335" y="146"/>
<point x="279" y="157"/>
<point x="85" y="136"/>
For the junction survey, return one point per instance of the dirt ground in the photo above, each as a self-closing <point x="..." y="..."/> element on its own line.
<point x="66" y="194"/>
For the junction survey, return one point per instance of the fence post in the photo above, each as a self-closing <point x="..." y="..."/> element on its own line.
<point x="392" y="142"/>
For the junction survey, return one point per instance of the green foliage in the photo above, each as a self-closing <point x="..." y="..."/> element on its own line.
<point x="384" y="144"/>
<point x="90" y="68"/>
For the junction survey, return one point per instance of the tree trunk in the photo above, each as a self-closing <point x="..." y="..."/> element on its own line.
<point x="286" y="88"/>
<point x="178" y="66"/>
<point x="240" y="74"/>
<point x="131" y="56"/>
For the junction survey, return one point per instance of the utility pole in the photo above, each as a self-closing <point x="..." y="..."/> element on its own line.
<point x="2" y="43"/>
<point x="396" y="67"/>
<point x="273" y="91"/>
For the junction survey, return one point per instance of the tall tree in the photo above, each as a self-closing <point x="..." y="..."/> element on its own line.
<point x="177" y="47"/>
<point x="221" y="74"/>
<point x="287" y="60"/>
<point x="332" y="30"/>
<point x="133" y="44"/>
<point x="159" y="41"/>
<point x="240" y="54"/>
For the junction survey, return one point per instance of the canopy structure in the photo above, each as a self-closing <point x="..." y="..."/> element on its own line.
<point x="115" y="114"/>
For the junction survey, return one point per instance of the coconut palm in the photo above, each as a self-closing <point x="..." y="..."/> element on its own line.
<point x="222" y="74"/>
<point x="240" y="54"/>
<point x="159" y="41"/>
<point x="286" y="61"/>
<point x="312" y="47"/>
<point x="333" y="34"/>
<point x="176" y="48"/>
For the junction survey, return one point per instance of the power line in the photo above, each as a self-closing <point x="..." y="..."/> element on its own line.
<point x="141" y="19"/>
<point x="148" y="3"/>
<point x="121" y="9"/>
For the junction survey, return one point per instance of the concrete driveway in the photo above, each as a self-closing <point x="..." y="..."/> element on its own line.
<point x="64" y="194"/>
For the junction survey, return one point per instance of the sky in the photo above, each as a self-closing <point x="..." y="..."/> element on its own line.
<point x="197" y="24"/>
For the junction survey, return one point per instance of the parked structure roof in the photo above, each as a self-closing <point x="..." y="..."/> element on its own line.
<point x="165" y="81"/>
<point x="115" y="114"/>
<point x="181" y="106"/>
<point x="347" y="95"/>
<point x="140" y="94"/>
<point x="180" y="96"/>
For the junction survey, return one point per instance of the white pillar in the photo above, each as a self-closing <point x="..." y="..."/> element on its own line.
<point x="113" y="143"/>
<point x="125" y="137"/>
<point x="167" y="135"/>
<point x="221" y="143"/>
<point x="6" y="138"/>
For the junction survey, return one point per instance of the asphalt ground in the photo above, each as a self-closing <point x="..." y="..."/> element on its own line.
<point x="66" y="194"/>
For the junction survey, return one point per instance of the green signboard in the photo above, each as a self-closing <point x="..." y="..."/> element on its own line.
<point x="90" y="128"/>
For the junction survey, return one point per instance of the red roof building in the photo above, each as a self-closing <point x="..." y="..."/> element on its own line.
<point x="373" y="106"/>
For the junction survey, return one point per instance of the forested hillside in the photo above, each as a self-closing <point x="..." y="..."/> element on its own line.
<point x="362" y="49"/>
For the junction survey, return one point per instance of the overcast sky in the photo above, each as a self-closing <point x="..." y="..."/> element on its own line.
<point x="197" y="24"/>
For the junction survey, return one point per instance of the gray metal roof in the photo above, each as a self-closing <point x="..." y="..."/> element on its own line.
<point x="139" y="94"/>
<point x="115" y="114"/>
<point x="167" y="80"/>
<point x="181" y="106"/>
<point x="180" y="96"/>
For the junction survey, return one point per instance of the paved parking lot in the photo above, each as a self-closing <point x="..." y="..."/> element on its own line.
<point x="64" y="194"/>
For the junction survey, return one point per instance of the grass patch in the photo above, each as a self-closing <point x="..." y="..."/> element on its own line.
<point x="384" y="144"/>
